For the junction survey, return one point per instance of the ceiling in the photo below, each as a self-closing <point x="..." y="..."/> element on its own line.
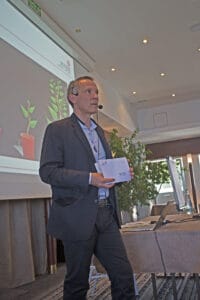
<point x="111" y="32"/>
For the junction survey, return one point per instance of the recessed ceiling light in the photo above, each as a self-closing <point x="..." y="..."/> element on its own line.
<point x="198" y="49"/>
<point x="145" y="41"/>
<point x="134" y="93"/>
<point x="173" y="95"/>
<point x="113" y="69"/>
<point x="162" y="74"/>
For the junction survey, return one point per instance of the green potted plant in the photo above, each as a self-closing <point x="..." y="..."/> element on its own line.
<point x="27" y="141"/>
<point x="147" y="175"/>
<point x="58" y="108"/>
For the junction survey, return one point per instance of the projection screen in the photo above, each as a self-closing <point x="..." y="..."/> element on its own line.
<point x="34" y="75"/>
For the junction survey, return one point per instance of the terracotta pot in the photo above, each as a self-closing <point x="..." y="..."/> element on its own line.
<point x="28" y="145"/>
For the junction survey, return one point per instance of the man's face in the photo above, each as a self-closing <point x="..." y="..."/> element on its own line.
<point x="87" y="99"/>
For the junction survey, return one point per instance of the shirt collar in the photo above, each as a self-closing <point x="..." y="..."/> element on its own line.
<point x="93" y="125"/>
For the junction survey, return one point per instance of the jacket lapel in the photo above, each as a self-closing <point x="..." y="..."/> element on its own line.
<point x="81" y="136"/>
<point x="83" y="139"/>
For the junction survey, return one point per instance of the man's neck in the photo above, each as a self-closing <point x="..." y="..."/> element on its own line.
<point x="85" y="119"/>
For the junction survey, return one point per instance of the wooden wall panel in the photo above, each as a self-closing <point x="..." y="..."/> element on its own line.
<point x="174" y="148"/>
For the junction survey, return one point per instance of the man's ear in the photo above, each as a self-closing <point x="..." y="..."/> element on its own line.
<point x="72" y="98"/>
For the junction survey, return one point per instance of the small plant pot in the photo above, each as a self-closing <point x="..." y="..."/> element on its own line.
<point x="28" y="145"/>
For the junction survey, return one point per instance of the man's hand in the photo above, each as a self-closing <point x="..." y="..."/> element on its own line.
<point x="99" y="181"/>
<point x="131" y="172"/>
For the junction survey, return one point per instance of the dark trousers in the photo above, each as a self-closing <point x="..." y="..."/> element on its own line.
<point x="106" y="243"/>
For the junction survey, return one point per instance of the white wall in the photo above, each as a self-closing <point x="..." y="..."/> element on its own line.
<point x="114" y="106"/>
<point x="170" y="118"/>
<point x="169" y="115"/>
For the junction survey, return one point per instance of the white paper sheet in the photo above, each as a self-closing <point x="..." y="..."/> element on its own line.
<point x="116" y="168"/>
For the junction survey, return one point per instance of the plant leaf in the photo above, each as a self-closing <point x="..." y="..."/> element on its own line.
<point x="33" y="123"/>
<point x="53" y="99"/>
<point x="55" y="107"/>
<point x="31" y="109"/>
<point x="53" y="114"/>
<point x="24" y="111"/>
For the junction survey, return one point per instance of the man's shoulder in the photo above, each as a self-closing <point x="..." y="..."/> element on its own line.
<point x="60" y="123"/>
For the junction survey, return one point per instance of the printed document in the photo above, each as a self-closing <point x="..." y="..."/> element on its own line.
<point x="116" y="168"/>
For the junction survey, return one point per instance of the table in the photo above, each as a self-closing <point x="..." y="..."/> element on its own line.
<point x="172" y="248"/>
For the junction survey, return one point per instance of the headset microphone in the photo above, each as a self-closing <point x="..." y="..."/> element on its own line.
<point x="74" y="91"/>
<point x="100" y="106"/>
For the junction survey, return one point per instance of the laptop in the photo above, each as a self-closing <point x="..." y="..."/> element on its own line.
<point x="146" y="225"/>
<point x="164" y="212"/>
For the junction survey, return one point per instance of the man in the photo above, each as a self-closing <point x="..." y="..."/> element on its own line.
<point x="84" y="210"/>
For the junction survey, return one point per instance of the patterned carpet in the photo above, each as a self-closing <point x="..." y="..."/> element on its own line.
<point x="100" y="288"/>
<point x="50" y="287"/>
<point x="185" y="287"/>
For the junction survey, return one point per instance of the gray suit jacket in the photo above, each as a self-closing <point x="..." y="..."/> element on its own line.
<point x="66" y="161"/>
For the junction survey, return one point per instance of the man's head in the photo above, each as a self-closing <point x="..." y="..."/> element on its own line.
<point x="74" y="86"/>
<point x="82" y="94"/>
